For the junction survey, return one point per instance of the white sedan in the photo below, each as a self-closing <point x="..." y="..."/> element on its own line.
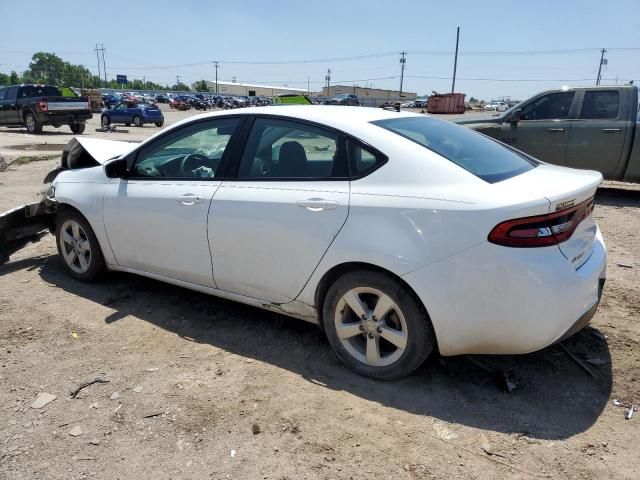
<point x="398" y="233"/>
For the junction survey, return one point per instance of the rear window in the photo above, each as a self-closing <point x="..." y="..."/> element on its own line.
<point x="476" y="153"/>
<point x="40" y="91"/>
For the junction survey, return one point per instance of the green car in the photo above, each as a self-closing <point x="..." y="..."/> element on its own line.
<point x="592" y="128"/>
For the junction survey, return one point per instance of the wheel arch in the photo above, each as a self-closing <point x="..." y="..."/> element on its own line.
<point x="65" y="207"/>
<point x="335" y="272"/>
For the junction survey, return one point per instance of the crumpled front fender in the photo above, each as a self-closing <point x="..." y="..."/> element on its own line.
<point x="23" y="225"/>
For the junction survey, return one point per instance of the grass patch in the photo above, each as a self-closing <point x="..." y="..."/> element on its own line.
<point x="23" y="160"/>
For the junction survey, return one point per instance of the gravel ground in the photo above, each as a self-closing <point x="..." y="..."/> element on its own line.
<point x="200" y="387"/>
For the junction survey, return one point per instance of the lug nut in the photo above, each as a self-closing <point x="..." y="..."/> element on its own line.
<point x="362" y="328"/>
<point x="371" y="335"/>
<point x="364" y="317"/>
<point x="379" y="330"/>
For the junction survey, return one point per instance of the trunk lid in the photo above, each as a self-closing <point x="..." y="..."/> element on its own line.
<point x="564" y="188"/>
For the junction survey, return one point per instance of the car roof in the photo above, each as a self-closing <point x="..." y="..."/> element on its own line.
<point x="337" y="116"/>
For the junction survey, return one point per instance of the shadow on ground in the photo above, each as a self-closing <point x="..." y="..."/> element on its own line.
<point x="618" y="197"/>
<point x="555" y="398"/>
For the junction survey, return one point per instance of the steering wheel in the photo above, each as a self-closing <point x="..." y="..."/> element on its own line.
<point x="204" y="160"/>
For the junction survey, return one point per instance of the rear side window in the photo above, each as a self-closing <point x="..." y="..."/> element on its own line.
<point x="2" y="90"/>
<point x="600" y="104"/>
<point x="476" y="153"/>
<point x="362" y="159"/>
<point x="285" y="149"/>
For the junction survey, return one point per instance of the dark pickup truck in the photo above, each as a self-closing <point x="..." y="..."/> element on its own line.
<point x="33" y="106"/>
<point x="594" y="128"/>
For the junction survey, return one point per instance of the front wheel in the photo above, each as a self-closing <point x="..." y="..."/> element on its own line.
<point x="77" y="128"/>
<point x="159" y="124"/>
<point x="78" y="247"/>
<point x="137" y="121"/>
<point x="104" y="121"/>
<point x="376" y="326"/>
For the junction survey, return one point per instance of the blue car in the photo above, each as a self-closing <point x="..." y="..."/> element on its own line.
<point x="132" y="113"/>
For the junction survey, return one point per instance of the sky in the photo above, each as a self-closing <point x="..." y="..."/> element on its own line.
<point x="278" y="42"/>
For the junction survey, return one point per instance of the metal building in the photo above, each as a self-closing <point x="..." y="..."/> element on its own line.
<point x="251" y="89"/>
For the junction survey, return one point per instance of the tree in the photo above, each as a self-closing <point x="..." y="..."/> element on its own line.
<point x="4" y="79"/>
<point x="201" y="86"/>
<point x="14" y="78"/>
<point x="181" y="87"/>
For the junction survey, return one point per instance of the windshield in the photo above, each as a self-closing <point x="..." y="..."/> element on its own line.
<point x="476" y="153"/>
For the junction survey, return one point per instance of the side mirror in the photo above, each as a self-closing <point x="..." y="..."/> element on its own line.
<point x="516" y="116"/>
<point x="116" y="168"/>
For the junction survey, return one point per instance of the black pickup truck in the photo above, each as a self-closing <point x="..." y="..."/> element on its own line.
<point x="33" y="106"/>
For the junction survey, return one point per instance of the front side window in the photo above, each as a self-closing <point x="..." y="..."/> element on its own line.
<point x="476" y="153"/>
<point x="284" y="149"/>
<point x="192" y="152"/>
<point x="600" y="104"/>
<point x="553" y="106"/>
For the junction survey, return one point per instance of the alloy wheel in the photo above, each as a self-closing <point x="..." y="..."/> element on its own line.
<point x="31" y="123"/>
<point x="75" y="246"/>
<point x="371" y="326"/>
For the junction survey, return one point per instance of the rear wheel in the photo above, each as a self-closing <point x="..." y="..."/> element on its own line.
<point x="32" y="124"/>
<point x="78" y="247"/>
<point x="105" y="121"/>
<point x="77" y="128"/>
<point x="137" y="121"/>
<point x="376" y="326"/>
<point x="159" y="124"/>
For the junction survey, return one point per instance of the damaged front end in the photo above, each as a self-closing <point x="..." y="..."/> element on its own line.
<point x="29" y="223"/>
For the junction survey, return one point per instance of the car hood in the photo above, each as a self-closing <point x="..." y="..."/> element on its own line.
<point x="97" y="150"/>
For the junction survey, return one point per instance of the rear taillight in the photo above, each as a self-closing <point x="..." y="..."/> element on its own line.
<point x="42" y="105"/>
<point x="89" y="105"/>
<point x="541" y="230"/>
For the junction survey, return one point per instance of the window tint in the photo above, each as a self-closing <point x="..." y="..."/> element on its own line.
<point x="2" y="90"/>
<point x="11" y="93"/>
<point x="549" y="107"/>
<point x="600" y="104"/>
<point x="476" y="153"/>
<point x="362" y="160"/>
<point x="193" y="152"/>
<point x="39" y="91"/>
<point x="287" y="149"/>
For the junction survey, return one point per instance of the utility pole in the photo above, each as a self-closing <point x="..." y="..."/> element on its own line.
<point x="100" y="48"/>
<point x="308" y="89"/>
<point x="403" y="60"/>
<point x="177" y="80"/>
<point x="455" y="62"/>
<point x="328" y="80"/>
<point x="216" y="65"/>
<point x="603" y="61"/>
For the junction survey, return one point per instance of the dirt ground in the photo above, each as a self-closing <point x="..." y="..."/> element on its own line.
<point x="205" y="388"/>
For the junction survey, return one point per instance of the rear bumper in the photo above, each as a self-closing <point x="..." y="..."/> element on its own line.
<point x="53" y="118"/>
<point x="22" y="225"/>
<point x="498" y="300"/>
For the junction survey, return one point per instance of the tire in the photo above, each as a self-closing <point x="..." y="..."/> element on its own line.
<point x="128" y="124"/>
<point x="105" y="121"/>
<point x="77" y="128"/>
<point x="406" y="323"/>
<point x="72" y="247"/>
<point x="159" y="124"/>
<point x="32" y="123"/>
<point x="137" y="121"/>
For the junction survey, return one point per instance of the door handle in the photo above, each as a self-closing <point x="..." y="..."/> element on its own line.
<point x="611" y="130"/>
<point x="189" y="199"/>
<point x="317" y="204"/>
<point x="555" y="130"/>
